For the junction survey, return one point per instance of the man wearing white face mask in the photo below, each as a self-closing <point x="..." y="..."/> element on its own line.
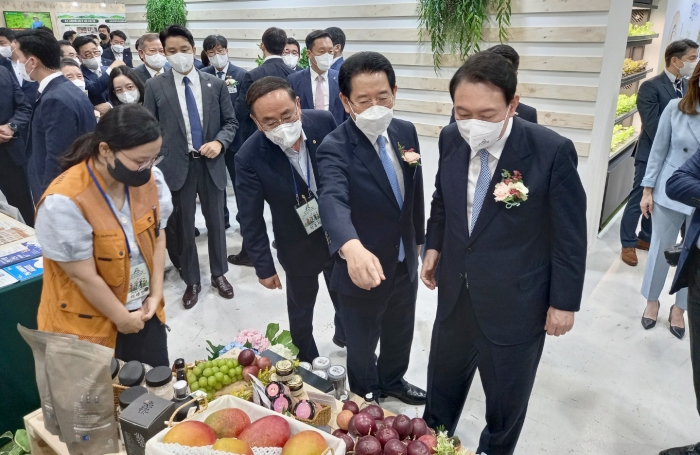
<point x="8" y="59"/>
<point x="372" y="208"/>
<point x="62" y="112"/>
<point x="317" y="86"/>
<point x="71" y="70"/>
<point x="508" y="227"/>
<point x="152" y="55"/>
<point x="277" y="165"/>
<point x="198" y="121"/>
<point x="292" y="53"/>
<point x="95" y="74"/>
<point x="116" y="49"/>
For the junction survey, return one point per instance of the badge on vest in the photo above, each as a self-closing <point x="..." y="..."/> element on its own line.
<point x="309" y="214"/>
<point x="232" y="89"/>
<point x="139" y="283"/>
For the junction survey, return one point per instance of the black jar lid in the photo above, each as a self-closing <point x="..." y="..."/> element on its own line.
<point x="159" y="376"/>
<point x="130" y="395"/>
<point x="132" y="374"/>
<point x="115" y="367"/>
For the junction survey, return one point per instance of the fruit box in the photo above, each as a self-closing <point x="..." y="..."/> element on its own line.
<point x="255" y="412"/>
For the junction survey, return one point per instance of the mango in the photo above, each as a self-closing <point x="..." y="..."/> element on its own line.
<point x="228" y="423"/>
<point x="231" y="445"/>
<point x="191" y="434"/>
<point x="305" y="443"/>
<point x="270" y="431"/>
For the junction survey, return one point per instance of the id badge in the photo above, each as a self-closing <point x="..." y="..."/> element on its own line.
<point x="139" y="283"/>
<point x="233" y="89"/>
<point x="309" y="215"/>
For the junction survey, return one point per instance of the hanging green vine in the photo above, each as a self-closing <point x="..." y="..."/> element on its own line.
<point x="161" y="13"/>
<point x="456" y="26"/>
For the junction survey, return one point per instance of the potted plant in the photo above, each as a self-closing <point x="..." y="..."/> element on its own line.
<point x="456" y="26"/>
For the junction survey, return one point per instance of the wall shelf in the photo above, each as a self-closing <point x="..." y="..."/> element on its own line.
<point x="641" y="40"/>
<point x="641" y="5"/>
<point x="626" y="115"/>
<point x="627" y="80"/>
<point x="622" y="148"/>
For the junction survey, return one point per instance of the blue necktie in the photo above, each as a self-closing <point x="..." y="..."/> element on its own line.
<point x="220" y="74"/>
<point x="482" y="187"/>
<point x="679" y="87"/>
<point x="193" y="114"/>
<point x="393" y="181"/>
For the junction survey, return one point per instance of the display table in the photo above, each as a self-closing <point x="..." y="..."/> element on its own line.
<point x="19" y="303"/>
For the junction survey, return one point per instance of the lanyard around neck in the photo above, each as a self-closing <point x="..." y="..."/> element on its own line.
<point x="104" y="195"/>
<point x="308" y="175"/>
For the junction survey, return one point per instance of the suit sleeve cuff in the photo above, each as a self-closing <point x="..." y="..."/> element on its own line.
<point x="648" y="183"/>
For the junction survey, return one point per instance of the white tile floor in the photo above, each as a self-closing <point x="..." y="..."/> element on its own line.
<point x="608" y="387"/>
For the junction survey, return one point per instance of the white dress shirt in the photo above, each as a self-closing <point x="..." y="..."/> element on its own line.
<point x="153" y="72"/>
<point x="302" y="163"/>
<point x="394" y="159"/>
<point x="270" y="57"/>
<point x="475" y="168"/>
<point x="326" y="92"/>
<point x="196" y="87"/>
<point x="118" y="55"/>
<point x="672" y="77"/>
<point x="15" y="66"/>
<point x="47" y="79"/>
<point x="225" y="71"/>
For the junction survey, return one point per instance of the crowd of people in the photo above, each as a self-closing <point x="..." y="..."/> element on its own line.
<point x="107" y="161"/>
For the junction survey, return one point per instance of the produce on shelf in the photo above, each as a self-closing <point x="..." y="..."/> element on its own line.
<point x="620" y="135"/>
<point x="631" y="67"/>
<point x="641" y="30"/>
<point x="625" y="104"/>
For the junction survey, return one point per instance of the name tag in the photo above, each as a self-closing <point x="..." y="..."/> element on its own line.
<point x="309" y="215"/>
<point x="232" y="89"/>
<point x="139" y="283"/>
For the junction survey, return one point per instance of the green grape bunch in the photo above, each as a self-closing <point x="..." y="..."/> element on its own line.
<point x="212" y="375"/>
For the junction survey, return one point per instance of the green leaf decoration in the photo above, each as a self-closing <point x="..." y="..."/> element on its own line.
<point x="284" y="338"/>
<point x="6" y="435"/>
<point x="272" y="329"/>
<point x="214" y="351"/>
<point x="248" y="345"/>
<point x="17" y="450"/>
<point x="303" y="59"/>
<point x="22" y="440"/>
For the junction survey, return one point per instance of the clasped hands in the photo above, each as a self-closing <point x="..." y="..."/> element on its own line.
<point x="134" y="321"/>
<point x="211" y="149"/>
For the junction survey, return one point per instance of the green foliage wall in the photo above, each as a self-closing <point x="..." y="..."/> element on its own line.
<point x="161" y="13"/>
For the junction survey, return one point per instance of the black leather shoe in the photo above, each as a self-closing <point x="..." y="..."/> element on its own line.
<point x="241" y="259"/>
<point x="687" y="450"/>
<point x="223" y="286"/>
<point x="338" y="342"/>
<point x="677" y="332"/>
<point x="410" y="394"/>
<point x="648" y="323"/>
<point x="196" y="232"/>
<point x="191" y="296"/>
<point x="227" y="225"/>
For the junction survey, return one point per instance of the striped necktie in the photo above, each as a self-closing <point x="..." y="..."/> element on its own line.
<point x="679" y="87"/>
<point x="482" y="187"/>
<point x="393" y="181"/>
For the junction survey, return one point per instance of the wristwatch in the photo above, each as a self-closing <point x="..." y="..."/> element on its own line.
<point x="14" y="128"/>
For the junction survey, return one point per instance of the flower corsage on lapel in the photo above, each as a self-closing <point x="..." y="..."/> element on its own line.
<point x="409" y="156"/>
<point x="231" y="82"/>
<point x="511" y="190"/>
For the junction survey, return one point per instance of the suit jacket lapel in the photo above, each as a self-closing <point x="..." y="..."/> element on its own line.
<point x="510" y="160"/>
<point x="456" y="164"/>
<point x="666" y="82"/>
<point x="333" y="93"/>
<point x="207" y="94"/>
<point x="365" y="151"/>
<point x="173" y="100"/>
<point x="280" y="163"/>
<point x="308" y="93"/>
<point x="694" y="124"/>
<point x="395" y="139"/>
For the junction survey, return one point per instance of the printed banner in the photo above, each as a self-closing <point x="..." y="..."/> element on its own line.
<point x="87" y="23"/>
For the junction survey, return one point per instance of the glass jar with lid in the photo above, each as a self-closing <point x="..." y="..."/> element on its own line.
<point x="132" y="374"/>
<point x="337" y="374"/>
<point x="321" y="364"/>
<point x="296" y="385"/>
<point x="285" y="370"/>
<point x="159" y="382"/>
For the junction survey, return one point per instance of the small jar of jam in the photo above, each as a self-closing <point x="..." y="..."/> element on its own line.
<point x="282" y="404"/>
<point x="285" y="370"/>
<point x="296" y="385"/>
<point x="305" y="409"/>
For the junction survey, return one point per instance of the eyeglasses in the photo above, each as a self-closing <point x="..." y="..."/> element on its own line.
<point x="385" y="101"/>
<point x="129" y="88"/>
<point x="212" y="52"/>
<point x="148" y="164"/>
<point x="294" y="53"/>
<point x="271" y="125"/>
<point x="91" y="54"/>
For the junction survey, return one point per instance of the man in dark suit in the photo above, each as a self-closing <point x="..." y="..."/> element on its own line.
<point x="652" y="98"/>
<point x="15" y="112"/>
<point x="338" y="37"/>
<point x="116" y="50"/>
<point x="277" y="165"/>
<point x="96" y="75"/>
<point x="103" y="30"/>
<point x="195" y="112"/>
<point x="274" y="41"/>
<point x="684" y="187"/>
<point x="216" y="47"/>
<point x="291" y="54"/>
<point x="8" y="59"/>
<point x="371" y="202"/>
<point x="317" y="85"/>
<point x="62" y="113"/>
<point x="523" y="111"/>
<point x="69" y="35"/>
<point x="510" y="271"/>
<point x="152" y="55"/>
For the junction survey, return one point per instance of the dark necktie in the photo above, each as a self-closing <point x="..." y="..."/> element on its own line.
<point x="193" y="114"/>
<point x="393" y="181"/>
<point x="220" y="74"/>
<point x="679" y="87"/>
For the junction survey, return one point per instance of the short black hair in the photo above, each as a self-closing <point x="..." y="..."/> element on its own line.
<point x="678" y="49"/>
<point x="138" y="42"/>
<point x="128" y="72"/>
<point x="42" y="45"/>
<point x="364" y="63"/>
<point x="313" y="36"/>
<point x="176" y="30"/>
<point x="274" y="39"/>
<point x="118" y="33"/>
<point x="81" y="41"/>
<point x="44" y="28"/>
<point x="489" y="68"/>
<point x="211" y="41"/>
<point x="104" y="26"/>
<point x="291" y="40"/>
<point x="8" y="33"/>
<point x="64" y="42"/>
<point x="508" y="53"/>
<point x="266" y="85"/>
<point x="338" y="37"/>
<point x="69" y="62"/>
<point x="68" y="34"/>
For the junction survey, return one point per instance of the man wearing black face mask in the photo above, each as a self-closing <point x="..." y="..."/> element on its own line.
<point x="104" y="32"/>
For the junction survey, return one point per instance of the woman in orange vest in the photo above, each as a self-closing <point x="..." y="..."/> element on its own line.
<point x="99" y="225"/>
